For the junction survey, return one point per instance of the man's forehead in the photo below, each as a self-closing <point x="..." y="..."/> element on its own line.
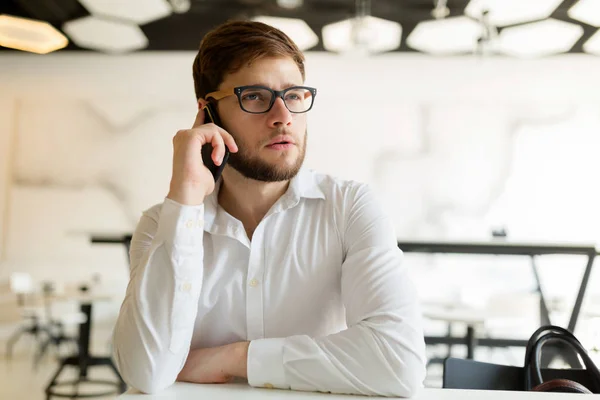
<point x="270" y="72"/>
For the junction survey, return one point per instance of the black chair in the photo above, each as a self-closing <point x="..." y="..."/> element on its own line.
<point x="469" y="374"/>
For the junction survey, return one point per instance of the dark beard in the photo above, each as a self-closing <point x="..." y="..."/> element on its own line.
<point x="258" y="170"/>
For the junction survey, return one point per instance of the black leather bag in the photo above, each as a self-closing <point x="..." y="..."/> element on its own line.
<point x="588" y="380"/>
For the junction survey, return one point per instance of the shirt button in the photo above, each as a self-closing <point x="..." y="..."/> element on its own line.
<point x="269" y="385"/>
<point x="186" y="287"/>
<point x="189" y="224"/>
<point x="253" y="282"/>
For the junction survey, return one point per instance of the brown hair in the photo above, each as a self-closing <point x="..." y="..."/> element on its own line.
<point x="234" y="44"/>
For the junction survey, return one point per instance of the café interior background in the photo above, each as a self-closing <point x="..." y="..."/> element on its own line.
<point x="470" y="126"/>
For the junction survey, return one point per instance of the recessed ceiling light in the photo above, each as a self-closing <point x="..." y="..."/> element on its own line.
<point x="538" y="39"/>
<point x="510" y="12"/>
<point x="30" y="35"/>
<point x="371" y="34"/>
<point x="138" y="11"/>
<point x="453" y="35"/>
<point x="180" y="6"/>
<point x="105" y="35"/>
<point x="290" y="4"/>
<point x="296" y="29"/>
<point x="586" y="11"/>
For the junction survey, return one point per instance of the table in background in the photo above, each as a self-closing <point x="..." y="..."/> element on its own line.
<point x="241" y="391"/>
<point x="124" y="240"/>
<point x="503" y="247"/>
<point x="83" y="359"/>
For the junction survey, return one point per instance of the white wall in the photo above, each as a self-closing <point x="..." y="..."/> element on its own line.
<point x="6" y="134"/>
<point x="454" y="147"/>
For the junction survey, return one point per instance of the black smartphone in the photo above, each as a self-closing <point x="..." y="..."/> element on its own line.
<point x="210" y="115"/>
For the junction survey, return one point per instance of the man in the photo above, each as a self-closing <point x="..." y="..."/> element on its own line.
<point x="275" y="274"/>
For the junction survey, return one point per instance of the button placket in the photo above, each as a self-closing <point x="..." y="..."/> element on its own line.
<point x="254" y="289"/>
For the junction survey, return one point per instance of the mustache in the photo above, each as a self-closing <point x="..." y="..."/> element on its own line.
<point x="279" y="132"/>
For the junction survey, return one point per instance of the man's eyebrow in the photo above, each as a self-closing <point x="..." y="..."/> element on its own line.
<point x="285" y="86"/>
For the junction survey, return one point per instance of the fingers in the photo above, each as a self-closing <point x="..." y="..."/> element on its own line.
<point x="228" y="139"/>
<point x="218" y="148"/>
<point x="213" y="134"/>
<point x="216" y="137"/>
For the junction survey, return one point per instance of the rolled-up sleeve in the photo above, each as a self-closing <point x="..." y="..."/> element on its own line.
<point x="154" y="328"/>
<point x="383" y="350"/>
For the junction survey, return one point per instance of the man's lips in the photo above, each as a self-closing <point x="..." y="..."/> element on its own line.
<point x="280" y="146"/>
<point x="282" y="139"/>
<point x="281" y="142"/>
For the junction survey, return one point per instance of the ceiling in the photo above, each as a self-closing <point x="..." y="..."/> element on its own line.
<point x="183" y="31"/>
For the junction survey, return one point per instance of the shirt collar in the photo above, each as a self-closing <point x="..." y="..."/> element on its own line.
<point x="304" y="185"/>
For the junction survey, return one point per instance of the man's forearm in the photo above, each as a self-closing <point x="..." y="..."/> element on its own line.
<point x="216" y="364"/>
<point x="238" y="359"/>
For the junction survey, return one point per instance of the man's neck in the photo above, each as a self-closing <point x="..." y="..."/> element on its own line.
<point x="248" y="200"/>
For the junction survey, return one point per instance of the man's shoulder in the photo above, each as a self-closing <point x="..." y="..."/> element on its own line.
<point x="333" y="186"/>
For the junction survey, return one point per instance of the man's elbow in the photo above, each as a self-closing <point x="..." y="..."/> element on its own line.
<point x="146" y="380"/>
<point x="407" y="386"/>
<point x="408" y="380"/>
<point x="148" y="386"/>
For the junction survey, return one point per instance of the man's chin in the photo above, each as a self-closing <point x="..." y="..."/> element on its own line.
<point x="263" y="171"/>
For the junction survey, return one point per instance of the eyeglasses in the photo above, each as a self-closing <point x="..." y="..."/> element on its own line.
<point x="260" y="99"/>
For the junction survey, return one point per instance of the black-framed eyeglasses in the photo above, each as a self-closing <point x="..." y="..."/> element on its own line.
<point x="258" y="99"/>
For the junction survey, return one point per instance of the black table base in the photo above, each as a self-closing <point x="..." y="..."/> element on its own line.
<point x="119" y="385"/>
<point x="83" y="360"/>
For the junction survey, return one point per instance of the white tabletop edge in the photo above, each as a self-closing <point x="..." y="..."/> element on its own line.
<point x="190" y="391"/>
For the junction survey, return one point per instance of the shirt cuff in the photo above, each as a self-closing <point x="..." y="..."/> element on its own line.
<point x="181" y="225"/>
<point x="265" y="363"/>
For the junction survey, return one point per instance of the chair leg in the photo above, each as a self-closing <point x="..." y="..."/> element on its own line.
<point x="13" y="340"/>
<point x="42" y="350"/>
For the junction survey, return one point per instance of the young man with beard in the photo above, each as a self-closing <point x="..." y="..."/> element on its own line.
<point x="275" y="274"/>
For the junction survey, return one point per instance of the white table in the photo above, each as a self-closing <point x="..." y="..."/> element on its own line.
<point x="241" y="391"/>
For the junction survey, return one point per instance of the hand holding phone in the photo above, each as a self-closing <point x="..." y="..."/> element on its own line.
<point x="210" y="115"/>
<point x="199" y="155"/>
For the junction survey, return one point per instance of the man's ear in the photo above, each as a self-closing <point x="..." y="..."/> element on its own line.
<point x="201" y="104"/>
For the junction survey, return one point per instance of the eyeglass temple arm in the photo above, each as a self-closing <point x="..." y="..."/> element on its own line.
<point x="219" y="94"/>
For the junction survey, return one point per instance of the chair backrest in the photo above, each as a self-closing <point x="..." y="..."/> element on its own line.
<point x="469" y="374"/>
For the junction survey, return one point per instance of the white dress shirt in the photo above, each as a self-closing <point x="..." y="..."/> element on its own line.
<point x="320" y="291"/>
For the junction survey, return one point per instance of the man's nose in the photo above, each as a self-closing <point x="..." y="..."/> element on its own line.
<point x="279" y="114"/>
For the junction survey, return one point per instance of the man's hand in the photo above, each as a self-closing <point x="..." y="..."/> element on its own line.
<point x="191" y="181"/>
<point x="216" y="364"/>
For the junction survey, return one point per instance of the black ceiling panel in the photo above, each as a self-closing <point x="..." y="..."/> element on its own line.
<point x="185" y="31"/>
